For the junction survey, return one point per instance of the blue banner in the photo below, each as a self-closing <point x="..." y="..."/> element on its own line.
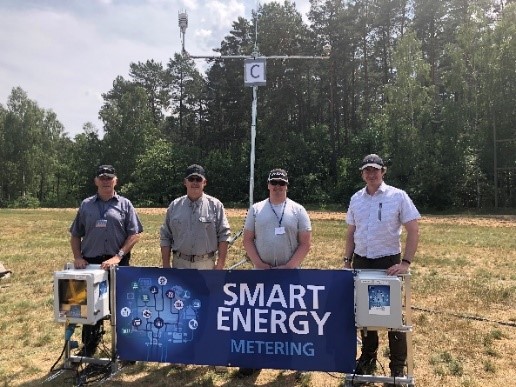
<point x="281" y="319"/>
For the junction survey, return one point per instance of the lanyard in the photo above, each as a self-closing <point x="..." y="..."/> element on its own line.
<point x="102" y="209"/>
<point x="282" y="212"/>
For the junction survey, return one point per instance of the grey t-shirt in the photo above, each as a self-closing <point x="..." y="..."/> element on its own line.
<point x="276" y="229"/>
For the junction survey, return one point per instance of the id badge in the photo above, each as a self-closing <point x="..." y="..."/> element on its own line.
<point x="279" y="230"/>
<point x="101" y="223"/>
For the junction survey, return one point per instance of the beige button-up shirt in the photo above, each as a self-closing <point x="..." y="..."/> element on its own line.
<point x="195" y="228"/>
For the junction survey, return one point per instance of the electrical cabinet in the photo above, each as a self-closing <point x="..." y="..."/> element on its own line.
<point x="81" y="296"/>
<point x="378" y="300"/>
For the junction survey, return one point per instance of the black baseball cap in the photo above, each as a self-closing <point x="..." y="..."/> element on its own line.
<point x="106" y="170"/>
<point x="278" y="174"/>
<point x="195" y="169"/>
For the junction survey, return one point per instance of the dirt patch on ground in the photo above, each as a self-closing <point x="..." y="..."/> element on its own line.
<point x="462" y="220"/>
<point x="457" y="220"/>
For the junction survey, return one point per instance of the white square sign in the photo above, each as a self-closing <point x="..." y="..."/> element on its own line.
<point x="254" y="72"/>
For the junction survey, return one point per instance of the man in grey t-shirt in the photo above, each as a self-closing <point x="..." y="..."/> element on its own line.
<point x="277" y="230"/>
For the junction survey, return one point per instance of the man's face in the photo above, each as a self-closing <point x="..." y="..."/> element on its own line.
<point x="105" y="183"/>
<point x="277" y="187"/>
<point x="195" y="183"/>
<point x="372" y="175"/>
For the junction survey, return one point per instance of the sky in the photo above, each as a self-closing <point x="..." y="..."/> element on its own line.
<point x="66" y="53"/>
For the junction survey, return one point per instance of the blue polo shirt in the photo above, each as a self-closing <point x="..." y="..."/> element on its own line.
<point x="105" y="225"/>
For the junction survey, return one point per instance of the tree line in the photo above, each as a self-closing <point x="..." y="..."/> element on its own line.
<point x="429" y="85"/>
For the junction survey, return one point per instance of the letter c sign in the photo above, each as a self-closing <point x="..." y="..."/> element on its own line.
<point x="254" y="72"/>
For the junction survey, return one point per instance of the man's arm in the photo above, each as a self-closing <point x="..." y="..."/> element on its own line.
<point x="165" y="256"/>
<point x="222" y="254"/>
<point x="78" y="261"/>
<point x="350" y="245"/>
<point x="305" y="243"/>
<point x="252" y="252"/>
<point x="130" y="242"/>
<point x="411" y="243"/>
<point x="166" y="240"/>
<point x="412" y="239"/>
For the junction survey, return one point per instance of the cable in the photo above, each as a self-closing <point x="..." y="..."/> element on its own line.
<point x="59" y="358"/>
<point x="469" y="317"/>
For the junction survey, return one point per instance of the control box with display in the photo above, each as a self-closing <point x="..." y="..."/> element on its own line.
<point x="81" y="296"/>
<point x="378" y="300"/>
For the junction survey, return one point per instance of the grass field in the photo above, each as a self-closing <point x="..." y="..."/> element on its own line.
<point x="463" y="285"/>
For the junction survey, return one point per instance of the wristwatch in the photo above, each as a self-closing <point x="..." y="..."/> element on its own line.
<point x="120" y="253"/>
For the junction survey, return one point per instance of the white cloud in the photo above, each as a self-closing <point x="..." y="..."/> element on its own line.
<point x="65" y="54"/>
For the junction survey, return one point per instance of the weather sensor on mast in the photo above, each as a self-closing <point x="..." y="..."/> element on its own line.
<point x="183" y="25"/>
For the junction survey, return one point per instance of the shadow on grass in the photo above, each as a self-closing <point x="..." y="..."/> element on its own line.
<point x="154" y="374"/>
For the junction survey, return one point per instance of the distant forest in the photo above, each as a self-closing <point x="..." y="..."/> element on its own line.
<point x="428" y="85"/>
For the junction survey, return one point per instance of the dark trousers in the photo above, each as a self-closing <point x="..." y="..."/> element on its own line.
<point x="92" y="334"/>
<point x="397" y="340"/>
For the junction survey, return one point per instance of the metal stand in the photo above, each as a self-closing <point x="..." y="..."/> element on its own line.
<point x="408" y="380"/>
<point x="72" y="362"/>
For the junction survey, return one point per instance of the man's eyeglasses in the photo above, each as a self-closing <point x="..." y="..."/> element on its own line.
<point x="197" y="179"/>
<point x="106" y="177"/>
<point x="278" y="182"/>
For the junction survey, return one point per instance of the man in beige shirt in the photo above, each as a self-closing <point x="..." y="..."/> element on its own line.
<point x="195" y="232"/>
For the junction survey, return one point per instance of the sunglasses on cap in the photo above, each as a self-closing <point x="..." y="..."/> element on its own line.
<point x="197" y="179"/>
<point x="278" y="182"/>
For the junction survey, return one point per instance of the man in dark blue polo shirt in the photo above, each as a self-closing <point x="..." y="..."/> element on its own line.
<point x="103" y="232"/>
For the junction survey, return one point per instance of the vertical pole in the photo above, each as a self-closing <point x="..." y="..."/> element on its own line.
<point x="495" y="162"/>
<point x="408" y="321"/>
<point x="253" y="140"/>
<point x="112" y="310"/>
<point x="181" y="97"/>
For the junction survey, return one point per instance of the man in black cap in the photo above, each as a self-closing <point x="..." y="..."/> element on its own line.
<point x="277" y="233"/>
<point x="195" y="230"/>
<point x="277" y="230"/>
<point x="375" y="218"/>
<point x="103" y="232"/>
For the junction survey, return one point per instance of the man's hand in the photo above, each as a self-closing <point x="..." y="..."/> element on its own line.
<point x="399" y="268"/>
<point x="80" y="263"/>
<point x="113" y="261"/>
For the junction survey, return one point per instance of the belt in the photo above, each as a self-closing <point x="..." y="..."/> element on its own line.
<point x="385" y="256"/>
<point x="101" y="258"/>
<point x="193" y="258"/>
<point x="98" y="257"/>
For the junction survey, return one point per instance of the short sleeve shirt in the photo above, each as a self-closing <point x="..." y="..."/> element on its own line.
<point x="378" y="219"/>
<point x="195" y="227"/>
<point x="263" y="218"/>
<point x="105" y="225"/>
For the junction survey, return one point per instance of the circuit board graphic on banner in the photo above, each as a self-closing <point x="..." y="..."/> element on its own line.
<point x="159" y="313"/>
<point x="295" y="319"/>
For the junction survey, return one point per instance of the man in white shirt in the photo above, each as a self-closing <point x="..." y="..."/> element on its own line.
<point x="375" y="218"/>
